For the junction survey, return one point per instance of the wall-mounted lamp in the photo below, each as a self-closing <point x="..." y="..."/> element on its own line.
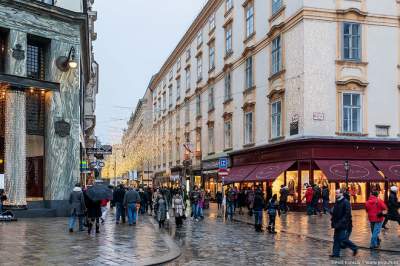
<point x="65" y="63"/>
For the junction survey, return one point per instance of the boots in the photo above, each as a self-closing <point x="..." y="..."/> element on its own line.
<point x="269" y="229"/>
<point x="90" y="225"/>
<point x="97" y="228"/>
<point x="256" y="227"/>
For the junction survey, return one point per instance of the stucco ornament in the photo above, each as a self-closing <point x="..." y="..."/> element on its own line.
<point x="18" y="53"/>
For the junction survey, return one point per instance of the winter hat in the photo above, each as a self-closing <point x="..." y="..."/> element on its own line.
<point x="393" y="189"/>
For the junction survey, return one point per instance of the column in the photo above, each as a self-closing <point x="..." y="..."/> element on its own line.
<point x="15" y="148"/>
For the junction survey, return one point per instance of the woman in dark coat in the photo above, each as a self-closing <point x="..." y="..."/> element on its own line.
<point x="93" y="213"/>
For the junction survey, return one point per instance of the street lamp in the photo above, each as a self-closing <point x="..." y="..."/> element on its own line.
<point x="347" y="169"/>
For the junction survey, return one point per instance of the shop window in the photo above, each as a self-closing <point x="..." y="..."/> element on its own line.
<point x="35" y="113"/>
<point x="3" y="50"/>
<point x="276" y="185"/>
<point x="292" y="184"/>
<point x="351" y="112"/>
<point x="351" y="41"/>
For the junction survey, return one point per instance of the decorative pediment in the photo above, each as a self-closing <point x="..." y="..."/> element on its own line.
<point x="248" y="106"/>
<point x="227" y="115"/>
<point x="248" y="50"/>
<point x="197" y="90"/>
<point x="351" y="12"/>
<point x="275" y="29"/>
<point x="227" y="67"/>
<point x="212" y="39"/>
<point x="211" y="80"/>
<point x="275" y="93"/>
<point x="228" y="22"/>
<point x="353" y="81"/>
<point x="210" y="123"/>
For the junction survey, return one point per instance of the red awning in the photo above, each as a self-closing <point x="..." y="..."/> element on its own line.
<point x="268" y="172"/>
<point x="391" y="169"/>
<point x="360" y="171"/>
<point x="239" y="173"/>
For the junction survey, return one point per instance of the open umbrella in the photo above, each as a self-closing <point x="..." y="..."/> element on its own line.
<point x="99" y="192"/>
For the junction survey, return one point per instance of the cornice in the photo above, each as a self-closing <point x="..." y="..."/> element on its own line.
<point x="352" y="81"/>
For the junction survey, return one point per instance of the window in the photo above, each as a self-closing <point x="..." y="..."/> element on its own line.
<point x="178" y="151"/>
<point x="228" y="39"/>
<point x="248" y="128"/>
<point x="171" y="74"/>
<point x="164" y="102"/>
<point x="170" y="152"/>
<point x="249" y="20"/>
<point x="228" y="134"/>
<point x="382" y="131"/>
<point x="187" y="112"/>
<point x="178" y="64"/>
<point x="199" y="68"/>
<point x="199" y="38"/>
<point x="228" y="5"/>
<point x="211" y="99"/>
<point x="35" y="60"/>
<point x="3" y="50"/>
<point x="211" y="139"/>
<point x="276" y="119"/>
<point x="249" y="73"/>
<point x="170" y="96"/>
<point x="276" y="55"/>
<point x="164" y="83"/>
<point x="351" y="41"/>
<point x="351" y="112"/>
<point x="228" y="84"/>
<point x="211" y="23"/>
<point x="187" y="79"/>
<point x="188" y="54"/>
<point x="211" y="55"/>
<point x="198" y="105"/>
<point x="198" y="141"/>
<point x="276" y="6"/>
<point x="178" y="88"/>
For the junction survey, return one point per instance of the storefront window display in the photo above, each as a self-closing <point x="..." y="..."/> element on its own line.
<point x="211" y="187"/>
<point x="197" y="180"/>
<point x="357" y="190"/>
<point x="276" y="185"/>
<point x="292" y="184"/>
<point x="321" y="180"/>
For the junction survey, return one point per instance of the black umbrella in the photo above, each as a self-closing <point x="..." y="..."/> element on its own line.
<point x="99" y="192"/>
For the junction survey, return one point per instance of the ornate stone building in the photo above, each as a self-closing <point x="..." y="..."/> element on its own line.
<point x="48" y="77"/>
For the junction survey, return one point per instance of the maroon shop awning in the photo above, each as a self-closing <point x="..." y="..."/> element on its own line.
<point x="360" y="171"/>
<point x="268" y="172"/>
<point x="239" y="173"/>
<point x="391" y="169"/>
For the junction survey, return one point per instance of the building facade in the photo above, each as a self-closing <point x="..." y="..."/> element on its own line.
<point x="293" y="86"/>
<point x="45" y="71"/>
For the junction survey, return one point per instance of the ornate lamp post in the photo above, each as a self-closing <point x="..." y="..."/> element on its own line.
<point x="347" y="169"/>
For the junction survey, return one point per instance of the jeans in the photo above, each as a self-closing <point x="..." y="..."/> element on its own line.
<point x="72" y="220"/>
<point x="132" y="213"/>
<point x="120" y="212"/>
<point x="375" y="230"/>
<point x="258" y="217"/>
<point x="195" y="210"/>
<point x="104" y="212"/>
<point x="283" y="206"/>
<point x="200" y="212"/>
<point x="271" y="223"/>
<point x="340" y="237"/>
<point x="219" y="205"/>
<point x="230" y="209"/>
<point x="310" y="210"/>
<point x="325" y="205"/>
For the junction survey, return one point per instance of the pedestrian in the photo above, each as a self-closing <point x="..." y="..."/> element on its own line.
<point x="219" y="198"/>
<point x="78" y="208"/>
<point x="154" y="201"/>
<point x="230" y="202"/>
<point x="284" y="193"/>
<point x="393" y="208"/>
<point x="200" y="208"/>
<point x="325" y="199"/>
<point x="341" y="222"/>
<point x="143" y="201"/>
<point x="315" y="200"/>
<point x="258" y="207"/>
<point x="93" y="213"/>
<point x="179" y="209"/>
<point x="104" y="210"/>
<point x="375" y="208"/>
<point x="250" y="200"/>
<point x="162" y="210"/>
<point x="273" y="210"/>
<point x="118" y="201"/>
<point x="241" y="201"/>
<point x="194" y="201"/>
<point x="3" y="198"/>
<point x="308" y="196"/>
<point x="131" y="199"/>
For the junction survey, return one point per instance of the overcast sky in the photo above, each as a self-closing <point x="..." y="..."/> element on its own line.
<point x="134" y="39"/>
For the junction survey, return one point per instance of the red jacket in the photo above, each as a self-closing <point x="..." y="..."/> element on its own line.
<point x="103" y="203"/>
<point x="309" y="194"/>
<point x="373" y="206"/>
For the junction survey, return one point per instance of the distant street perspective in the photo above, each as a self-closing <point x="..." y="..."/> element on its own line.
<point x="199" y="132"/>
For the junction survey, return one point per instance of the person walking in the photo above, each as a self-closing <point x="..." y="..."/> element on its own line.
<point x="194" y="201"/>
<point x="118" y="201"/>
<point x="258" y="207"/>
<point x="284" y="193"/>
<point x="104" y="210"/>
<point x="143" y="201"/>
<point x="162" y="209"/>
<point x="308" y="196"/>
<point x="78" y="208"/>
<point x="375" y="208"/>
<point x="315" y="200"/>
<point x="250" y="200"/>
<point x="230" y="202"/>
<point x="131" y="198"/>
<point x="273" y="209"/>
<point x="179" y="209"/>
<point x="341" y="222"/>
<point x="201" y="203"/>
<point x="93" y="213"/>
<point x="325" y="199"/>
<point x="219" y="198"/>
<point x="393" y="208"/>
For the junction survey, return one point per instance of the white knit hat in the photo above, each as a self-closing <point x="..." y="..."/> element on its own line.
<point x="394" y="189"/>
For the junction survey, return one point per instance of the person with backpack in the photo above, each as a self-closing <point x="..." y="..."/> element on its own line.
<point x="219" y="198"/>
<point x="78" y="208"/>
<point x="393" y="208"/>
<point x="273" y="209"/>
<point x="375" y="208"/>
<point x="258" y="207"/>
<point x="325" y="199"/>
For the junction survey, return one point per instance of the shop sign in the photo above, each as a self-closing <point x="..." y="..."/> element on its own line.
<point x="318" y="116"/>
<point x="62" y="128"/>
<point x="104" y="150"/>
<point x="223" y="163"/>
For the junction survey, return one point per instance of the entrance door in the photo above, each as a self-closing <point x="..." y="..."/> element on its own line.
<point x="34" y="177"/>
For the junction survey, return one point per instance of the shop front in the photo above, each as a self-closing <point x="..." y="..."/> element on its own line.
<point x="361" y="166"/>
<point x="211" y="178"/>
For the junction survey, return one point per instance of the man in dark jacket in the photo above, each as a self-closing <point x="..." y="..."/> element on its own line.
<point x="315" y="199"/>
<point x="284" y="193"/>
<point x="78" y="208"/>
<point x="118" y="200"/>
<point x="325" y="199"/>
<point x="258" y="208"/>
<point x="131" y="198"/>
<point x="393" y="208"/>
<point x="341" y="220"/>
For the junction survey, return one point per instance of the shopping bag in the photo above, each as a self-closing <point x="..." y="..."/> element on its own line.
<point x="167" y="216"/>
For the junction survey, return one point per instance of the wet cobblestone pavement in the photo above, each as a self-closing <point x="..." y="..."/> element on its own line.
<point x="47" y="242"/>
<point x="215" y="242"/>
